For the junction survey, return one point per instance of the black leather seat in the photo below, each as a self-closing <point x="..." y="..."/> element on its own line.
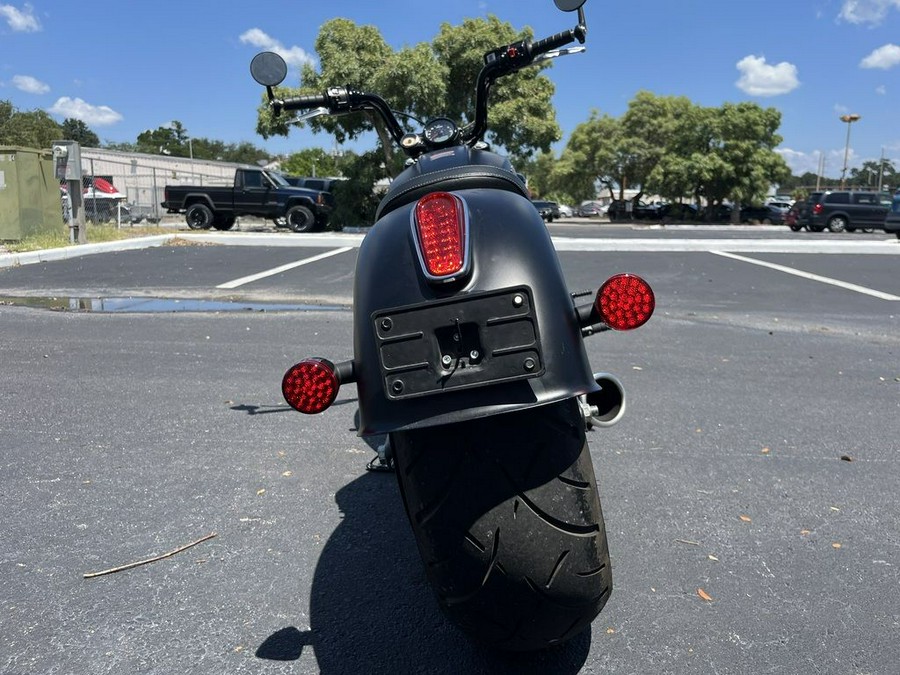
<point x="450" y="170"/>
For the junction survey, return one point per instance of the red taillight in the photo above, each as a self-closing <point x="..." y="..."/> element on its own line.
<point x="625" y="302"/>
<point x="310" y="386"/>
<point x="817" y="209"/>
<point x="441" y="231"/>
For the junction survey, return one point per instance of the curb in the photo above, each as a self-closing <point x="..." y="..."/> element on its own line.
<point x="51" y="254"/>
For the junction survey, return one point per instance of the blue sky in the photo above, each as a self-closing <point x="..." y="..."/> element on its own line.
<point x="129" y="66"/>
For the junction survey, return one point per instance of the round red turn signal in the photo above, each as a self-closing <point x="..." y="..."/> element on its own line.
<point x="310" y="386"/>
<point x="625" y="302"/>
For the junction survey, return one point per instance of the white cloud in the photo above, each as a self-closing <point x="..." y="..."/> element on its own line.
<point x="758" y="78"/>
<point x="881" y="90"/>
<point x="91" y="115"/>
<point x="809" y="162"/>
<point x="884" y="57"/>
<point x="29" y="85"/>
<point x="294" y="56"/>
<point x="867" y="11"/>
<point x="23" y="20"/>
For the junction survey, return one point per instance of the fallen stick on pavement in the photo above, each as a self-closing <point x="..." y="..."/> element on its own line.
<point x="121" y="568"/>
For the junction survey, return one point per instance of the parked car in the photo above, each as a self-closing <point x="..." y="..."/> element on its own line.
<point x="591" y="210"/>
<point x="847" y="210"/>
<point x="319" y="184"/>
<point x="892" y="220"/>
<point x="630" y="209"/>
<point x="786" y="205"/>
<point x="566" y="211"/>
<point x="678" y="212"/>
<point x="767" y="214"/>
<point x="549" y="210"/>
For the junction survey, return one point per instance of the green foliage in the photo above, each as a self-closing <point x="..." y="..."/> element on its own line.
<point x="34" y="129"/>
<point x="173" y="139"/>
<point x="866" y="176"/>
<point x="672" y="147"/>
<point x="596" y="152"/>
<point x="312" y="162"/>
<point x="355" y="198"/>
<point x="78" y="131"/>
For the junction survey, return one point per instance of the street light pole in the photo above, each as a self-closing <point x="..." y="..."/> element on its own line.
<point x="849" y="119"/>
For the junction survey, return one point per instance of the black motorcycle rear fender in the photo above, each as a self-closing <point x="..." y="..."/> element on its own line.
<point x="514" y="293"/>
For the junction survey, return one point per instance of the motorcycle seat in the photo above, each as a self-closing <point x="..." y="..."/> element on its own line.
<point x="409" y="188"/>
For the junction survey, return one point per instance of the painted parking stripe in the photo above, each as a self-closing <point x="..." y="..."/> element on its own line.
<point x="812" y="277"/>
<point x="283" y="268"/>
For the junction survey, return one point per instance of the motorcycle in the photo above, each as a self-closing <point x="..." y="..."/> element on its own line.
<point x="469" y="357"/>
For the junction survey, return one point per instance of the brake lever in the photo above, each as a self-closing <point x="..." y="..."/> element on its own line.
<point x="556" y="53"/>
<point x="310" y="114"/>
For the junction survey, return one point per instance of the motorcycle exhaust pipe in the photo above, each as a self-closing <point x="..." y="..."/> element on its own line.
<point x="605" y="407"/>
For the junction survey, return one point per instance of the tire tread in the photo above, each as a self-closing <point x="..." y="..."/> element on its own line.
<point x="507" y="519"/>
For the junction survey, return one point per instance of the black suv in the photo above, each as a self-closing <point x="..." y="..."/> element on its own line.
<point x="846" y="210"/>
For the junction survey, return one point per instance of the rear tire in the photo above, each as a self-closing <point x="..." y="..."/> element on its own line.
<point x="199" y="217"/>
<point x="507" y="519"/>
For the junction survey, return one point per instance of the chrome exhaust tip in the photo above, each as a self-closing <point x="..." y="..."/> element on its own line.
<point x="605" y="407"/>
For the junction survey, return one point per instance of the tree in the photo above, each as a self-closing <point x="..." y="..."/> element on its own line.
<point x="34" y="129"/>
<point x="173" y="139"/>
<point x="312" y="162"/>
<point x="78" y="131"/>
<point x="428" y="80"/>
<point x="651" y="128"/>
<point x="165" y="140"/>
<point x="866" y="176"/>
<point x="597" y="152"/>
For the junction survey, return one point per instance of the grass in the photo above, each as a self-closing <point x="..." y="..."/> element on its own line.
<point x="95" y="234"/>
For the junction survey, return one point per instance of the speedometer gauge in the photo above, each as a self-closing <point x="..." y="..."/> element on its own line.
<point x="441" y="131"/>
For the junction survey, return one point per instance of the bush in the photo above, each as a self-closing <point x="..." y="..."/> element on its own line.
<point x="355" y="199"/>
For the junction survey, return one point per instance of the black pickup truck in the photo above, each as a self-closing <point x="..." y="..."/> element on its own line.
<point x="255" y="192"/>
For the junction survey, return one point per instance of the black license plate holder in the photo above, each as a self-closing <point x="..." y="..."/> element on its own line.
<point x="462" y="342"/>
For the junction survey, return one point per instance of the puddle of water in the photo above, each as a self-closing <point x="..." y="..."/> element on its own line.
<point x="158" y="305"/>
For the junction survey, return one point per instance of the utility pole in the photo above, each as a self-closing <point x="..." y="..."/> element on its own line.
<point x="820" y="171"/>
<point x="881" y="172"/>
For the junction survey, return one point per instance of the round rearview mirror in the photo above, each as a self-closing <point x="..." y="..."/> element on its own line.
<point x="268" y="68"/>
<point x="569" y="5"/>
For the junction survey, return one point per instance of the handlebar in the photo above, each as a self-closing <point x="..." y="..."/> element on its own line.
<point x="554" y="42"/>
<point x="497" y="63"/>
<point x="301" y="102"/>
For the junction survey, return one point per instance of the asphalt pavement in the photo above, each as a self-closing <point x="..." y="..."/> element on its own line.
<point x="750" y="491"/>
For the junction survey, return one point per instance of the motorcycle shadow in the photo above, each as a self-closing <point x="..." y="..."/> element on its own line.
<point x="372" y="610"/>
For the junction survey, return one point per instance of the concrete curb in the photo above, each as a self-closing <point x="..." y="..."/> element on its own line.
<point x="350" y="237"/>
<point x="51" y="254"/>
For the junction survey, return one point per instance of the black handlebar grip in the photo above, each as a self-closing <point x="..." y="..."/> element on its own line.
<point x="306" y="101"/>
<point x="552" y="42"/>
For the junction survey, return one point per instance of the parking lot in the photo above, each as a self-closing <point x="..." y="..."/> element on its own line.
<point x="750" y="492"/>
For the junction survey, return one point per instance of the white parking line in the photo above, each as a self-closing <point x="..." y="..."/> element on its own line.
<point x="813" y="277"/>
<point x="283" y="268"/>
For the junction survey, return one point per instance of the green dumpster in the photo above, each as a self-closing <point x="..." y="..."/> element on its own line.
<point x="29" y="194"/>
